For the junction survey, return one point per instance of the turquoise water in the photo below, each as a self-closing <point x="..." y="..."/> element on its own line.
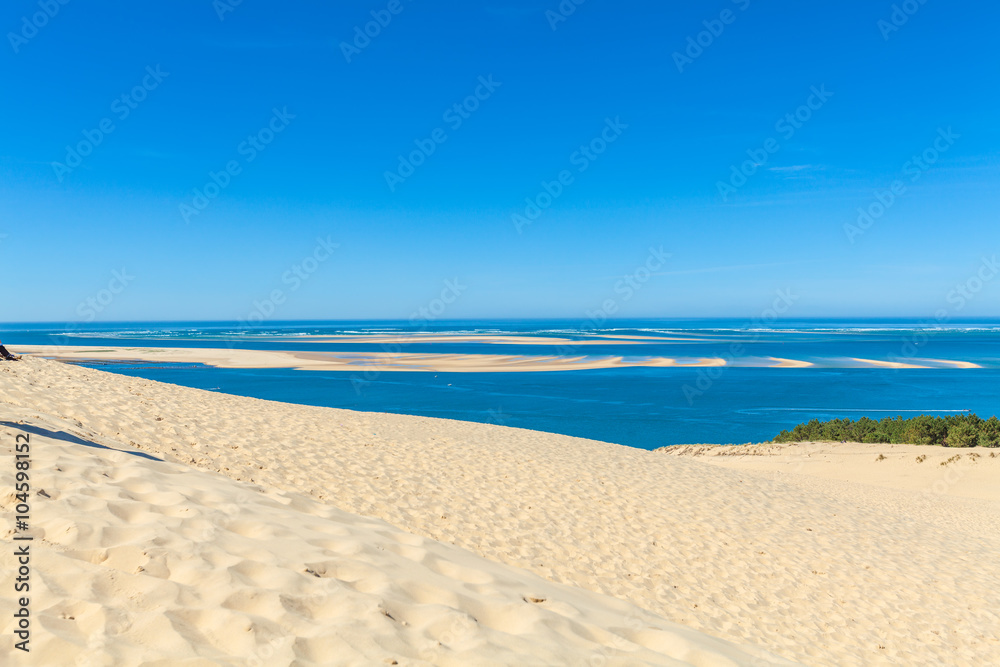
<point x="643" y="407"/>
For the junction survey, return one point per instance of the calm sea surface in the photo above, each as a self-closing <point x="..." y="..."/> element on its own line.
<point x="641" y="407"/>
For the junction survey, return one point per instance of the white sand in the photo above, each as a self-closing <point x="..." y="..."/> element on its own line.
<point x="389" y="359"/>
<point x="951" y="488"/>
<point x="814" y="573"/>
<point x="360" y="361"/>
<point x="790" y="363"/>
<point x="137" y="561"/>
<point x="932" y="472"/>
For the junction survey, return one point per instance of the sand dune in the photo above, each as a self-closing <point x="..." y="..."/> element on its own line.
<point x="928" y="475"/>
<point x="975" y="471"/>
<point x="820" y="571"/>
<point x="138" y="561"/>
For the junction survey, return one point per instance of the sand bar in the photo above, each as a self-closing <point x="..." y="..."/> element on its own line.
<point x="790" y="363"/>
<point x="359" y="361"/>
<point x="881" y="363"/>
<point x="379" y="361"/>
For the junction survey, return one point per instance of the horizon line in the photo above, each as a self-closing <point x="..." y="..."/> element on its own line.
<point x="257" y="325"/>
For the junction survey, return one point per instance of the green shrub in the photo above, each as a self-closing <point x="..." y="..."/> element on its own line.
<point x="962" y="434"/>
<point x="926" y="430"/>
<point x="989" y="433"/>
<point x="952" y="431"/>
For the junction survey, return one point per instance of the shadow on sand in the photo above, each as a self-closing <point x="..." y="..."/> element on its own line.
<point x="69" y="437"/>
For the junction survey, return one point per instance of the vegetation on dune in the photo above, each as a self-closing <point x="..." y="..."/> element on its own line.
<point x="951" y="431"/>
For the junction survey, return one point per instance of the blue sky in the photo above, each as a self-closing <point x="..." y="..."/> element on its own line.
<point x="598" y="98"/>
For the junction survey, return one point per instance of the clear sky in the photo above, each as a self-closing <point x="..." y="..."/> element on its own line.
<point x="647" y="111"/>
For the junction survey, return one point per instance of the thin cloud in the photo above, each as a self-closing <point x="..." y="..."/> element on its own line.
<point x="796" y="167"/>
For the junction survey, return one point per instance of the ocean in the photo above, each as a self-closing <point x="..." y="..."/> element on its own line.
<point x="956" y="369"/>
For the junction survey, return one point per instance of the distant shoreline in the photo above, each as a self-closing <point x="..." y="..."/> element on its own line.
<point x="382" y="361"/>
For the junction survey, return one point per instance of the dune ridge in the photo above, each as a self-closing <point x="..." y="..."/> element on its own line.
<point x="139" y="561"/>
<point x="812" y="573"/>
